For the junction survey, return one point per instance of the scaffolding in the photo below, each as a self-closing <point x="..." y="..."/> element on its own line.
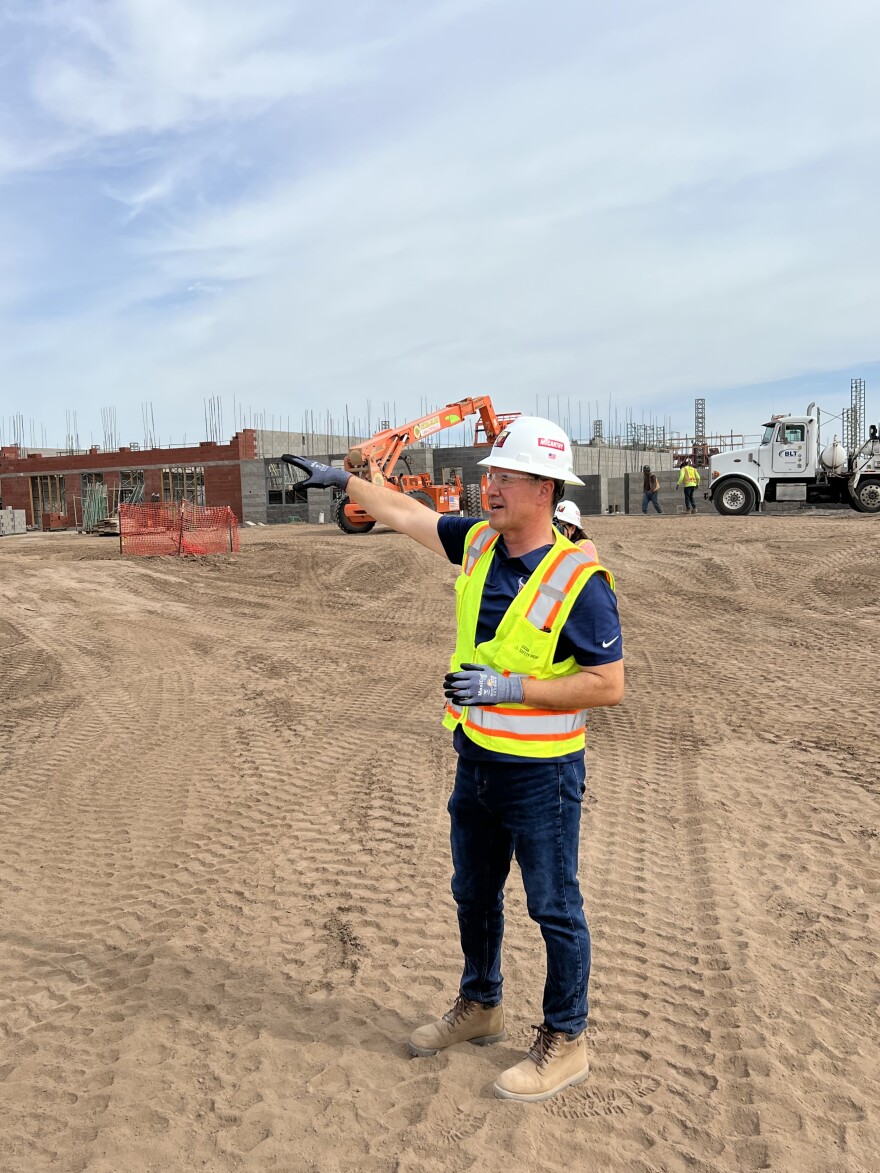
<point x="645" y="436"/>
<point x="854" y="422"/>
<point x="700" y="448"/>
<point x="700" y="421"/>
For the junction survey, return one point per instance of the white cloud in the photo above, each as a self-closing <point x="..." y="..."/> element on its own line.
<point x="160" y="64"/>
<point x="648" y="202"/>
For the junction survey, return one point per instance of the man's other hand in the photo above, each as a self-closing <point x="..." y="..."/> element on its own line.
<point x="477" y="684"/>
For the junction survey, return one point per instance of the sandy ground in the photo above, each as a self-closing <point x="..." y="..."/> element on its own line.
<point x="225" y="878"/>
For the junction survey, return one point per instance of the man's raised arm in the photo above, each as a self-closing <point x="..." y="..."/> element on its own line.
<point x="387" y="505"/>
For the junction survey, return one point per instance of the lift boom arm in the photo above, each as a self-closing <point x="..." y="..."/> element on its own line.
<point x="376" y="458"/>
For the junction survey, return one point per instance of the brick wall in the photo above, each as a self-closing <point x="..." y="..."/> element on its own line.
<point x="220" y="462"/>
<point x="15" y="493"/>
<point x="223" y="486"/>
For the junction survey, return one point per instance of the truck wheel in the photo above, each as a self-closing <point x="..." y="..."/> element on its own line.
<point x="347" y="526"/>
<point x="734" y="498"/>
<point x="425" y="498"/>
<point x="866" y="498"/>
<point x="473" y="502"/>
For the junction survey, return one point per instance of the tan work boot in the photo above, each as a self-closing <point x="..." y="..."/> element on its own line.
<point x="466" y="1022"/>
<point x="554" y="1062"/>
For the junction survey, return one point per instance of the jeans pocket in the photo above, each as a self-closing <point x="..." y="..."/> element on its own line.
<point x="573" y="780"/>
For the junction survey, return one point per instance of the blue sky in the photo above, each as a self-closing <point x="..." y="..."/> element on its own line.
<point x="306" y="206"/>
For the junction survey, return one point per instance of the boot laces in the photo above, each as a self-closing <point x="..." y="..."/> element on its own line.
<point x="460" y="1009"/>
<point x="545" y="1046"/>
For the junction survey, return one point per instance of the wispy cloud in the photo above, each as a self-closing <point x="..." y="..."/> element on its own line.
<point x="291" y="203"/>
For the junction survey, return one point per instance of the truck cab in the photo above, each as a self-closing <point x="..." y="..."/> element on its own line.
<point x="789" y="451"/>
<point x="741" y="481"/>
<point x="788" y="466"/>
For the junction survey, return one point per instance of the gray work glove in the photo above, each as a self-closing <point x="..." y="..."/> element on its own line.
<point x="321" y="476"/>
<point x="477" y="684"/>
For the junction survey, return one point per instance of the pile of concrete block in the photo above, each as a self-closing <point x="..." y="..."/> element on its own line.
<point x="12" y="522"/>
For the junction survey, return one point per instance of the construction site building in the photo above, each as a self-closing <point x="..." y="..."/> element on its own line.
<point x="248" y="475"/>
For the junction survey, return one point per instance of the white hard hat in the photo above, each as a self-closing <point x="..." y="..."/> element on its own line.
<point x="568" y="512"/>
<point x="535" y="445"/>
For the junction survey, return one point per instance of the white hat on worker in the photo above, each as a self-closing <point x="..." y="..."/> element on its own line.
<point x="534" y="445"/>
<point x="568" y="512"/>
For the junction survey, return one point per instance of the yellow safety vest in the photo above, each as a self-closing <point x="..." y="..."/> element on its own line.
<point x="525" y="642"/>
<point x="689" y="476"/>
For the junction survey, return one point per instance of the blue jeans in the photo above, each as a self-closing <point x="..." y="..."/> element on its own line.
<point x="651" y="499"/>
<point x="689" y="498"/>
<point x="533" y="809"/>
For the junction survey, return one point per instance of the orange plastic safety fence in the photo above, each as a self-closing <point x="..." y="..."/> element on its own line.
<point x="178" y="529"/>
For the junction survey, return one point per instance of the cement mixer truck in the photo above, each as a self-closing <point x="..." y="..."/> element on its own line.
<point x="791" y="464"/>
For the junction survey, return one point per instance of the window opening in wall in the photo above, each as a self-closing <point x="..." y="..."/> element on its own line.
<point x="282" y="487"/>
<point x="87" y="479"/>
<point x="131" y="486"/>
<point x="48" y="495"/>
<point x="93" y="500"/>
<point x="184" y="484"/>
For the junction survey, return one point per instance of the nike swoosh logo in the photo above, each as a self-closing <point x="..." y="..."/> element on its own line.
<point x="610" y="642"/>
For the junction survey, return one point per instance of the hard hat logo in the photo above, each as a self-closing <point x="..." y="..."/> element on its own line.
<point x="568" y="512"/>
<point x="502" y="436"/>
<point x="544" y="442"/>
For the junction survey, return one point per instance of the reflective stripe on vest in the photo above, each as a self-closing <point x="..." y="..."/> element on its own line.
<point x="519" y="723"/>
<point x="479" y="540"/>
<point x="555" y="585"/>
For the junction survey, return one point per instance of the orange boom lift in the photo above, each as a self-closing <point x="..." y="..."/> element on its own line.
<point x="376" y="459"/>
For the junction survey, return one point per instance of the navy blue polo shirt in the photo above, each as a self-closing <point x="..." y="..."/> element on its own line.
<point x="591" y="633"/>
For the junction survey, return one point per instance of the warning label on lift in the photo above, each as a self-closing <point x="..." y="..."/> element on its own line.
<point x="426" y="427"/>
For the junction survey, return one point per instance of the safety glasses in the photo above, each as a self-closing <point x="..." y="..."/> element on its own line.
<point x="503" y="479"/>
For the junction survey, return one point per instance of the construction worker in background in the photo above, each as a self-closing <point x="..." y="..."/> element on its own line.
<point x="689" y="478"/>
<point x="567" y="520"/>
<point x="539" y="644"/>
<point x="650" y="489"/>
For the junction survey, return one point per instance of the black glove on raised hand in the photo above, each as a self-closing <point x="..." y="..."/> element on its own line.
<point x="477" y="684"/>
<point x="321" y="476"/>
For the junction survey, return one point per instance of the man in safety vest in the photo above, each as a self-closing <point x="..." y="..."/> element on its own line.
<point x="539" y="644"/>
<point x="689" y="478"/>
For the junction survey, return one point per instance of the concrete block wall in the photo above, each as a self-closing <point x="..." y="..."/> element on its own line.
<point x="320" y="507"/>
<point x="465" y="458"/>
<point x="627" y="491"/>
<point x="588" y="499"/>
<point x="253" y="490"/>
<point x="613" y="462"/>
<point x="423" y="460"/>
<point x="282" y="514"/>
<point x="616" y="494"/>
<point x="12" y="521"/>
<point x="315" y="445"/>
